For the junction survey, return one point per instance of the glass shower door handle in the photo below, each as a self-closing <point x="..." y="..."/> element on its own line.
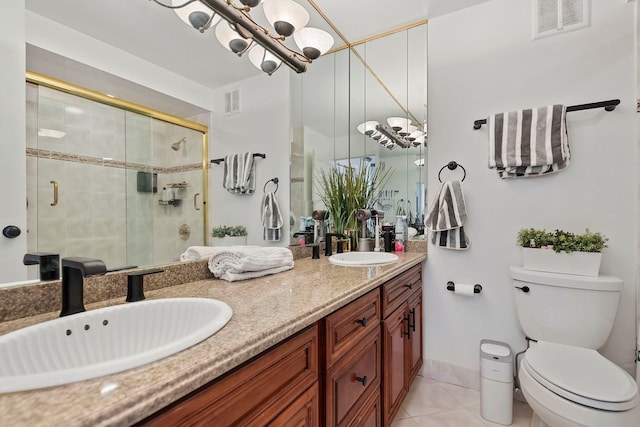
<point x="195" y="201"/>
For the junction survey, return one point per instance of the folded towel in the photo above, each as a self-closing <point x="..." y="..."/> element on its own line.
<point x="239" y="173"/>
<point x="235" y="261"/>
<point x="234" y="277"/>
<point x="198" y="252"/>
<point x="446" y="217"/>
<point x="529" y="142"/>
<point x="271" y="217"/>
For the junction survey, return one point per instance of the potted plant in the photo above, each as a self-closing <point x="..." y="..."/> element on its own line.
<point x="562" y="251"/>
<point x="229" y="235"/>
<point x="344" y="190"/>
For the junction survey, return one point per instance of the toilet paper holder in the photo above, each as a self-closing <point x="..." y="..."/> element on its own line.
<point x="451" y="286"/>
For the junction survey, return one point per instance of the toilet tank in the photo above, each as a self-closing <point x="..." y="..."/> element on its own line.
<point x="565" y="308"/>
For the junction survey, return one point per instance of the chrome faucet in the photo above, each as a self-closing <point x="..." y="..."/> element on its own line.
<point x="74" y="270"/>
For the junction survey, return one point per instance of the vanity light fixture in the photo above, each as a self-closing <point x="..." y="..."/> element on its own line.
<point x="239" y="32"/>
<point x="399" y="132"/>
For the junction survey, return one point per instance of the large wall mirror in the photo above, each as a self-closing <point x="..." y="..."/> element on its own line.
<point x="111" y="180"/>
<point x="381" y="78"/>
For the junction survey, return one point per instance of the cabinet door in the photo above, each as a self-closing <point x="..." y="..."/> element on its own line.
<point x="395" y="362"/>
<point x="415" y="342"/>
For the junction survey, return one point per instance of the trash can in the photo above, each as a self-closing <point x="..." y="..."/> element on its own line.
<point x="496" y="382"/>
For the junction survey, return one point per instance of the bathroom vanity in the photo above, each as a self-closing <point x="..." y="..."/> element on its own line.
<point x="317" y="345"/>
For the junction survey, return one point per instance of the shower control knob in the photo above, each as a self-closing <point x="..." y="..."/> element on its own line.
<point x="11" y="231"/>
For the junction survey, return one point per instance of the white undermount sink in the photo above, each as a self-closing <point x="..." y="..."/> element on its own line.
<point x="104" y="341"/>
<point x="360" y="259"/>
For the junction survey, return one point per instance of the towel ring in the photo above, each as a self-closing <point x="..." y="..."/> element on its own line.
<point x="275" y="181"/>
<point x="452" y="165"/>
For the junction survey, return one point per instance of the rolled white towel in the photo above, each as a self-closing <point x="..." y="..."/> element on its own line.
<point x="203" y="252"/>
<point x="233" y="277"/>
<point x="244" y="259"/>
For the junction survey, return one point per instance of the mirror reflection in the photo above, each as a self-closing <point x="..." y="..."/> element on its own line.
<point x="364" y="107"/>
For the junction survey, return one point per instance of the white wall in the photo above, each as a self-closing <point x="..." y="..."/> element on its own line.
<point x="12" y="146"/>
<point x="481" y="61"/>
<point x="262" y="126"/>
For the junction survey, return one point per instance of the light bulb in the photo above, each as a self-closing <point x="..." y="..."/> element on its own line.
<point x="264" y="60"/>
<point x="286" y="16"/>
<point x="313" y="42"/>
<point x="196" y="15"/>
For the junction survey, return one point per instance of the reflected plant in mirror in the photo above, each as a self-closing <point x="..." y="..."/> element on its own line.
<point x="345" y="189"/>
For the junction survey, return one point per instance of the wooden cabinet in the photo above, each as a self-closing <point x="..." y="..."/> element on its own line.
<point x="346" y="370"/>
<point x="279" y="387"/>
<point x="401" y="338"/>
<point x="353" y="363"/>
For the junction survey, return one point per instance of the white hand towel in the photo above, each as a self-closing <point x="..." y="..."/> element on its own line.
<point x="529" y="142"/>
<point x="234" y="260"/>
<point x="198" y="252"/>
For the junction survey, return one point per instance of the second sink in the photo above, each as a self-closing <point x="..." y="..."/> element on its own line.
<point x="104" y="341"/>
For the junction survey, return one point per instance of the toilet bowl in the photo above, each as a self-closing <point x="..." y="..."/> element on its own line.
<point x="569" y="386"/>
<point x="562" y="376"/>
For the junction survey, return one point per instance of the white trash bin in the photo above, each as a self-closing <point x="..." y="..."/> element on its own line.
<point x="496" y="382"/>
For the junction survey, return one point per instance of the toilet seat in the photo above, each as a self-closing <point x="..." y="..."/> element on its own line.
<point x="581" y="375"/>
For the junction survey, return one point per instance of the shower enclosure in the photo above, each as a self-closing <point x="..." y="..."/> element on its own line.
<point x="95" y="179"/>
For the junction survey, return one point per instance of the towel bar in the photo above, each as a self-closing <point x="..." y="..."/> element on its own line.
<point x="607" y="105"/>
<point x="218" y="161"/>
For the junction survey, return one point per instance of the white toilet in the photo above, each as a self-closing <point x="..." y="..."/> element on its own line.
<point x="564" y="379"/>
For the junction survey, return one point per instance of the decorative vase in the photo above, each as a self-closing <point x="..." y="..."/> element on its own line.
<point x="229" y="241"/>
<point x="580" y="263"/>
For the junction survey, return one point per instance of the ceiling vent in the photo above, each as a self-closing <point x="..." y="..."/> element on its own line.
<point x="232" y="102"/>
<point x="552" y="17"/>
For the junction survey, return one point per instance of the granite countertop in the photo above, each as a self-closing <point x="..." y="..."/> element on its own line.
<point x="266" y="311"/>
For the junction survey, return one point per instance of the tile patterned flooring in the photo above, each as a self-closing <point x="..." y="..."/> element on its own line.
<point x="436" y="404"/>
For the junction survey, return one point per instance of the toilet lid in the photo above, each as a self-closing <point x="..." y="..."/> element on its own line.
<point x="581" y="375"/>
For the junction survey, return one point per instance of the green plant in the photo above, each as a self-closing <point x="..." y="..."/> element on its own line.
<point x="344" y="190"/>
<point x="562" y="240"/>
<point x="223" y="230"/>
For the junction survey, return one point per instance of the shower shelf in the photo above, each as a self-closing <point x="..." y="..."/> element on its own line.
<point x="183" y="184"/>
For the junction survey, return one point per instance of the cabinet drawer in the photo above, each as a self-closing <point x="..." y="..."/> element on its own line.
<point x="352" y="380"/>
<point x="350" y="324"/>
<point x="255" y="393"/>
<point x="370" y="414"/>
<point x="397" y="290"/>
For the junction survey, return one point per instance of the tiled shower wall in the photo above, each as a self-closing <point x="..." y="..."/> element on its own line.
<point x="100" y="213"/>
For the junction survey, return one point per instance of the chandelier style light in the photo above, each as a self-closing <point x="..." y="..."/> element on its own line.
<point x="239" y="32"/>
<point x="399" y="133"/>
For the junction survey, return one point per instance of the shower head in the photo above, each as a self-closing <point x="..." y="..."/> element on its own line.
<point x="176" y="145"/>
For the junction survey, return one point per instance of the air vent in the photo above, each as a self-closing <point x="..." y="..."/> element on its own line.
<point x="232" y="102"/>
<point x="552" y="17"/>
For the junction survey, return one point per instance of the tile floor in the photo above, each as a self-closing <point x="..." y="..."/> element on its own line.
<point x="436" y="404"/>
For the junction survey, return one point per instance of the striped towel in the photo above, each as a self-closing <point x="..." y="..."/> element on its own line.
<point x="447" y="216"/>
<point x="529" y="142"/>
<point x="239" y="173"/>
<point x="271" y="217"/>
